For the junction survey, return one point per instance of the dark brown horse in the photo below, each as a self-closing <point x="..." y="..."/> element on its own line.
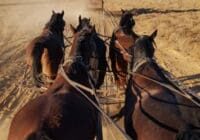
<point x="62" y="113"/>
<point x="93" y="51"/>
<point x="45" y="53"/>
<point x="122" y="40"/>
<point x="152" y="111"/>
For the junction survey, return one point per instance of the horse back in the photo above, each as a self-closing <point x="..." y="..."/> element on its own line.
<point x="51" y="53"/>
<point x="125" y="40"/>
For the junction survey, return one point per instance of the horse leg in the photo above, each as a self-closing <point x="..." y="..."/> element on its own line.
<point x="99" y="133"/>
<point x="36" y="64"/>
<point x="130" y="101"/>
<point x="102" y="67"/>
<point x="99" y="128"/>
<point x="113" y="59"/>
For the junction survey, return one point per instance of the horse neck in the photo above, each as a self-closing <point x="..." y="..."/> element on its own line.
<point x="59" y="33"/>
<point x="126" y="30"/>
<point x="51" y="30"/>
<point x="151" y="70"/>
<point x="73" y="51"/>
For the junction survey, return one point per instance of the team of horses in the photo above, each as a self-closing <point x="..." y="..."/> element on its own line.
<point x="151" y="111"/>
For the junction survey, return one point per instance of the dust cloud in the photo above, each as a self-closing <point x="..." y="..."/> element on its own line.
<point x="31" y="16"/>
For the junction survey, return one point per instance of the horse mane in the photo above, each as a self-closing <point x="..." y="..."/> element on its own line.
<point x="51" y="24"/>
<point x="160" y="72"/>
<point x="85" y="21"/>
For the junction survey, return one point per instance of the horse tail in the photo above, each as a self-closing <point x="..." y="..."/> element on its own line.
<point x="36" y="63"/>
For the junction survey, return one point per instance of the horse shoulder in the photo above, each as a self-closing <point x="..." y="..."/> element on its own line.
<point x="145" y="127"/>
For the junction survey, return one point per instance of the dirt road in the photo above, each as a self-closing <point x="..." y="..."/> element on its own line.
<point x="177" y="42"/>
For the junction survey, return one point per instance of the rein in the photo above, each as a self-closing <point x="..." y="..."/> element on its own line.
<point x="194" y="99"/>
<point x="122" y="51"/>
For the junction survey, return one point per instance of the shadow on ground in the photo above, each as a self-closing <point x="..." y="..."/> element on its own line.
<point x="143" y="11"/>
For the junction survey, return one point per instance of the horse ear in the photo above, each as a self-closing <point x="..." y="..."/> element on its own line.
<point x="62" y="13"/>
<point x="123" y="11"/>
<point x="53" y="12"/>
<point x="73" y="29"/>
<point x="89" y="19"/>
<point x="79" y="18"/>
<point x="153" y="35"/>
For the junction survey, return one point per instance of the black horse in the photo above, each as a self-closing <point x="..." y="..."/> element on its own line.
<point x="63" y="113"/>
<point x="96" y="60"/>
<point x="45" y="53"/>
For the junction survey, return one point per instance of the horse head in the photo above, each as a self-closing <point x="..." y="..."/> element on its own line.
<point x="83" y="22"/>
<point x="83" y="44"/>
<point x="144" y="48"/>
<point x="56" y="22"/>
<point x="127" y="20"/>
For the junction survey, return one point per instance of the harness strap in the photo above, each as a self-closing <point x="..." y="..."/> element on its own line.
<point x="123" y="51"/>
